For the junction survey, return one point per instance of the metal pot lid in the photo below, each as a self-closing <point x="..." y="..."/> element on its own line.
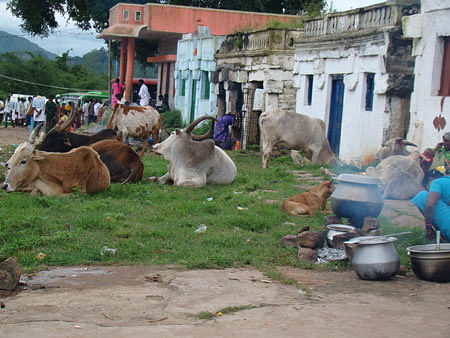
<point x="371" y="240"/>
<point x="340" y="227"/>
<point x="357" y="178"/>
<point x="429" y="249"/>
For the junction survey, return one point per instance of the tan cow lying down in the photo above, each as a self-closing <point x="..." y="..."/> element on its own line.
<point x="294" y="131"/>
<point x="137" y="122"/>
<point x="55" y="174"/>
<point x="401" y="175"/>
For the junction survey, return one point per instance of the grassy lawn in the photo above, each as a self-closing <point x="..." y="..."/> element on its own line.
<point x="151" y="224"/>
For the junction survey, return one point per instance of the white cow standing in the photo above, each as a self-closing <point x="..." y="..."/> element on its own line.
<point x="294" y="131"/>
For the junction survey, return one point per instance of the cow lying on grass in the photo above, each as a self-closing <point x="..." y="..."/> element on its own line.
<point x="401" y="175"/>
<point x="55" y="174"/>
<point x="194" y="160"/>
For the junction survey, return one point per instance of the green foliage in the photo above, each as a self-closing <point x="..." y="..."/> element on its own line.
<point x="54" y="73"/>
<point x="172" y="119"/>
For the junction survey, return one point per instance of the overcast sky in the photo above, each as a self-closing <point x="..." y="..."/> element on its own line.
<point x="68" y="36"/>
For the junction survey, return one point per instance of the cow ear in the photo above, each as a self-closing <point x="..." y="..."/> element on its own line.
<point x="36" y="156"/>
<point x="177" y="131"/>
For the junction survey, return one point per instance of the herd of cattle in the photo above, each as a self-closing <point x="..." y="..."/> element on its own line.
<point x="58" y="161"/>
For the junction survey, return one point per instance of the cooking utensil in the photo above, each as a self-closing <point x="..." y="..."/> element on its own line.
<point x="429" y="263"/>
<point x="375" y="257"/>
<point x="337" y="229"/>
<point x="356" y="197"/>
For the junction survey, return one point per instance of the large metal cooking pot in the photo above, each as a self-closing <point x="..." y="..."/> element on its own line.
<point x="375" y="257"/>
<point x="356" y="197"/>
<point x="429" y="263"/>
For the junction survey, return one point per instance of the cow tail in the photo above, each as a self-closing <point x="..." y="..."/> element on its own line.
<point x="129" y="177"/>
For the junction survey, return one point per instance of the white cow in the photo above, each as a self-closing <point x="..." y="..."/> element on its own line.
<point x="137" y="122"/>
<point x="294" y="131"/>
<point x="194" y="160"/>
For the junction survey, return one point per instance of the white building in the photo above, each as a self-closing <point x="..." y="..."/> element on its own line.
<point x="194" y="96"/>
<point x="354" y="71"/>
<point x="429" y="101"/>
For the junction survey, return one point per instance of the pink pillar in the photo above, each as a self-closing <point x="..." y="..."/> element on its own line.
<point x="123" y="58"/>
<point x="130" y="69"/>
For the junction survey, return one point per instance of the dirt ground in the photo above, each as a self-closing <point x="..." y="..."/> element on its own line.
<point x="10" y="136"/>
<point x="161" y="301"/>
<point x="122" y="301"/>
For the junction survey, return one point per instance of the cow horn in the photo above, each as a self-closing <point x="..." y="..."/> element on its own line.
<point x="208" y="134"/>
<point x="407" y="143"/>
<point x="35" y="132"/>
<point x="191" y="127"/>
<point x="67" y="122"/>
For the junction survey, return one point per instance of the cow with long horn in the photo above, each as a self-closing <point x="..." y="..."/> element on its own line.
<point x="194" y="160"/>
<point x="60" y="140"/>
<point x="54" y="174"/>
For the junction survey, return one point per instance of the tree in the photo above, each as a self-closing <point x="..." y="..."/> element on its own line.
<point x="39" y="16"/>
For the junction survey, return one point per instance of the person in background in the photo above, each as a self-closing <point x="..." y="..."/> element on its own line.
<point x="117" y="88"/>
<point x="2" y="106"/>
<point x="85" y="110"/>
<point x="9" y="106"/>
<point x="435" y="206"/>
<point x="97" y="107"/>
<point x="29" y="111"/>
<point x="165" y="103"/>
<point x="21" y="111"/>
<point x="158" y="104"/>
<point x="222" y="134"/>
<point x="91" y="113"/>
<point x="144" y="95"/>
<point x="51" y="113"/>
<point x="39" y="110"/>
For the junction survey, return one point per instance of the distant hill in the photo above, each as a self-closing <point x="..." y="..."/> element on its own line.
<point x="20" y="45"/>
<point x="96" y="61"/>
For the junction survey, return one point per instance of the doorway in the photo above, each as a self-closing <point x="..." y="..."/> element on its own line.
<point x="336" y="108"/>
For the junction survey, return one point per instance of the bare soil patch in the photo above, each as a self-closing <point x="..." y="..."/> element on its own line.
<point x="162" y="301"/>
<point x="10" y="136"/>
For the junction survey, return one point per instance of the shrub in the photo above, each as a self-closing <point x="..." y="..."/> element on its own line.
<point x="172" y="119"/>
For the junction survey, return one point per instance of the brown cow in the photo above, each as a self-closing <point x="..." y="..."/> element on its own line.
<point x="123" y="163"/>
<point x="55" y="174"/>
<point x="137" y="122"/>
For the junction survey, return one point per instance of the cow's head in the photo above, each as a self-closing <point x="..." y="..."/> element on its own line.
<point x="394" y="146"/>
<point x="56" y="139"/>
<point x="182" y="135"/>
<point x="22" y="167"/>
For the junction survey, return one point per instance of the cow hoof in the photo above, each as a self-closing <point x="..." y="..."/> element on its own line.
<point x="152" y="179"/>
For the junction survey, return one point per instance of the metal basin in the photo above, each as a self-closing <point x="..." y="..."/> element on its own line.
<point x="430" y="264"/>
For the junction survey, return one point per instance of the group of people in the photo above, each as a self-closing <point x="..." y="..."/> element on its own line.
<point x="29" y="112"/>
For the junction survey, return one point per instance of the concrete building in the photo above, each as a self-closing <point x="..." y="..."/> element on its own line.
<point x="430" y="102"/>
<point x="194" y="96"/>
<point x="254" y="73"/>
<point x="167" y="24"/>
<point x="354" y="70"/>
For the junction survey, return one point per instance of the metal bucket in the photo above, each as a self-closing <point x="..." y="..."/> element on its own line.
<point x="431" y="264"/>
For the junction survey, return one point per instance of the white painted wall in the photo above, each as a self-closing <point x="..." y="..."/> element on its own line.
<point x="361" y="131"/>
<point x="427" y="29"/>
<point x="190" y="66"/>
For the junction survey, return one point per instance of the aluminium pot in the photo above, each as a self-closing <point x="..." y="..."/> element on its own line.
<point x="337" y="229"/>
<point x="431" y="264"/>
<point x="357" y="197"/>
<point x="375" y="257"/>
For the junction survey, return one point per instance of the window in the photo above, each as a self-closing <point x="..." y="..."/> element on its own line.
<point x="138" y="15"/>
<point x="370" y="84"/>
<point x="125" y="15"/>
<point x="444" y="89"/>
<point x="205" y="85"/>
<point x="310" y="82"/>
